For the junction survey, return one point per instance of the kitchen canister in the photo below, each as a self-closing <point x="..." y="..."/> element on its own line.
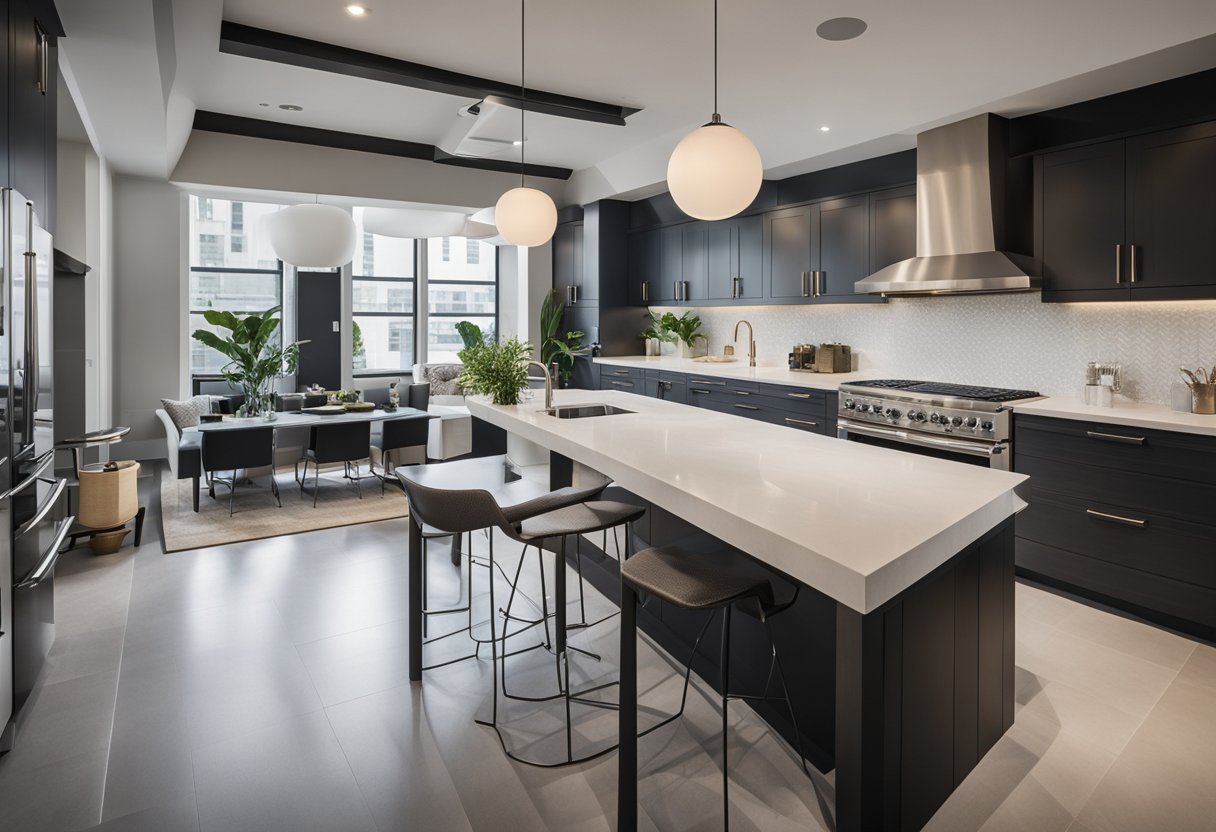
<point x="1203" y="398"/>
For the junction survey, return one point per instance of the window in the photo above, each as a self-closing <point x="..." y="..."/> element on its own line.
<point x="382" y="303"/>
<point x="232" y="267"/>
<point x="461" y="290"/>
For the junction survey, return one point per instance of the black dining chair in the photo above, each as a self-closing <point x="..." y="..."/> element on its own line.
<point x="234" y="450"/>
<point x="339" y="441"/>
<point x="402" y="441"/>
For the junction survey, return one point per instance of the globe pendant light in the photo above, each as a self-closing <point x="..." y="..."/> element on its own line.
<point x="715" y="171"/>
<point x="312" y="236"/>
<point x="524" y="216"/>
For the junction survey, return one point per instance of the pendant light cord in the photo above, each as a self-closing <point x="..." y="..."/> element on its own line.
<point x="716" y="116"/>
<point x="523" y="90"/>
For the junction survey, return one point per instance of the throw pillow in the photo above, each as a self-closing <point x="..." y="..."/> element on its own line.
<point x="185" y="414"/>
<point x="443" y="380"/>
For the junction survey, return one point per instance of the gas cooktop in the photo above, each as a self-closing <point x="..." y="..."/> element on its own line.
<point x="955" y="391"/>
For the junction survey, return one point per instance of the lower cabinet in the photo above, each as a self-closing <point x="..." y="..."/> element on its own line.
<point x="1123" y="515"/>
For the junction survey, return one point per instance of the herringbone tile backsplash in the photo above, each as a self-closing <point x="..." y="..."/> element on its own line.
<point x="999" y="340"/>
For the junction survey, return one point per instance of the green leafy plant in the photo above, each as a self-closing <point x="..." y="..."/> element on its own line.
<point x="498" y="369"/>
<point x="358" y="348"/>
<point x="255" y="352"/>
<point x="470" y="333"/>
<point x="556" y="347"/>
<point x="687" y="328"/>
<point x="660" y="327"/>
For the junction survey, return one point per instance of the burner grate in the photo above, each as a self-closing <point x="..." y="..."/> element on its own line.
<point x="958" y="391"/>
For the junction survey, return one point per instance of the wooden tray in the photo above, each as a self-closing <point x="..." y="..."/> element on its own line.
<point x="325" y="410"/>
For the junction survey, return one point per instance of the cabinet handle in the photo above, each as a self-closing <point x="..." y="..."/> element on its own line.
<point x="1115" y="518"/>
<point x="741" y="392"/>
<point x="799" y="395"/>
<point x="698" y="391"/>
<point x="645" y="291"/>
<point x="747" y="407"/>
<point x="619" y="373"/>
<point x="805" y="293"/>
<point x="790" y="420"/>
<point x="1115" y="437"/>
<point x="821" y="283"/>
<point x="43" y="68"/>
<point x="574" y="291"/>
<point x="1131" y="256"/>
<point x="620" y="384"/>
<point x="686" y="289"/>
<point x="1118" y="262"/>
<point x="675" y="289"/>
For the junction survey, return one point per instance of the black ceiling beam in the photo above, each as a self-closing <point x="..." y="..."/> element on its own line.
<point x="262" y="44"/>
<point x="277" y="131"/>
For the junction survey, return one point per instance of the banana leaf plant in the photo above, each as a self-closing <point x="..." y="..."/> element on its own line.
<point x="255" y="352"/>
<point x="556" y="347"/>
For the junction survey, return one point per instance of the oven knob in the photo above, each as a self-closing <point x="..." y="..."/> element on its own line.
<point x="986" y="426"/>
<point x="916" y="416"/>
<point x="849" y="404"/>
<point x="937" y="418"/>
<point x="891" y="413"/>
<point x="956" y="420"/>
<point x="972" y="421"/>
<point x="869" y="408"/>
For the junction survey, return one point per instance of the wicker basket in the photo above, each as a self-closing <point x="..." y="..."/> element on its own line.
<point x="108" y="498"/>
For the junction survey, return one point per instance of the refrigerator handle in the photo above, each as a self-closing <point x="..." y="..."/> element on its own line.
<point x="32" y="386"/>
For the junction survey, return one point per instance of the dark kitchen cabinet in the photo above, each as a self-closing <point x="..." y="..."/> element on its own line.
<point x="568" y="262"/>
<point x="5" y="173"/>
<point x="31" y="77"/>
<point x="1080" y="228"/>
<point x="671" y="264"/>
<point x="892" y="226"/>
<point x="693" y="265"/>
<point x="672" y="387"/>
<point x="1171" y="212"/>
<point x="735" y="255"/>
<point x="788" y="255"/>
<point x="843" y="248"/>
<point x="645" y="266"/>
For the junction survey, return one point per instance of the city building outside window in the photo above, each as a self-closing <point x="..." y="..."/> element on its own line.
<point x="382" y="304"/>
<point x="460" y="289"/>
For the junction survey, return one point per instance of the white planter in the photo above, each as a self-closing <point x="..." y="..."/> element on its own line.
<point x="667" y="348"/>
<point x="694" y="351"/>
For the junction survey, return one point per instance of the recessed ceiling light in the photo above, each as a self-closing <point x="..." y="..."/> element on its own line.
<point x="841" y="28"/>
<point x="355" y="10"/>
<point x="824" y="129"/>
<point x="294" y="108"/>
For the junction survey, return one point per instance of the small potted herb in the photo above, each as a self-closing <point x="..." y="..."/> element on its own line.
<point x="498" y="369"/>
<point x="660" y="339"/>
<point x="687" y="329"/>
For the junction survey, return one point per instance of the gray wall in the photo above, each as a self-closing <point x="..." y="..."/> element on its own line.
<point x="151" y="304"/>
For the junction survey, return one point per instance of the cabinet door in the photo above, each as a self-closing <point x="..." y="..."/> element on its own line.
<point x="1080" y="222"/>
<point x="585" y="291"/>
<point x="4" y="95"/>
<point x="1171" y="209"/>
<point x="692" y="262"/>
<point x="735" y="254"/>
<point x="645" y="266"/>
<point x="892" y="226"/>
<point x="671" y="270"/>
<point x="564" y="259"/>
<point x="787" y="251"/>
<point x="844" y="250"/>
<point x="27" y="107"/>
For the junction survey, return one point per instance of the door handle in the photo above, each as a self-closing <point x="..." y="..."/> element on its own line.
<point x="1118" y="262"/>
<point x="44" y="74"/>
<point x="1131" y="256"/>
<point x="805" y="292"/>
<point x="821" y="283"/>
<point x="684" y="286"/>
<point x="698" y="391"/>
<point x="1115" y="518"/>
<point x="645" y="291"/>
<point x="741" y="392"/>
<point x="620" y="384"/>
<point x="799" y="395"/>
<point x="790" y="420"/>
<point x="574" y="292"/>
<point x="1115" y="437"/>
<point x="44" y="509"/>
<point x="747" y="407"/>
<point x="47" y="565"/>
<point x="43" y="463"/>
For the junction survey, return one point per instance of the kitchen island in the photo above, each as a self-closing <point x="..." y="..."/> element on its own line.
<point x="911" y="557"/>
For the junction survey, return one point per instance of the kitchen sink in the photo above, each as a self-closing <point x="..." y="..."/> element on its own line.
<point x="582" y="411"/>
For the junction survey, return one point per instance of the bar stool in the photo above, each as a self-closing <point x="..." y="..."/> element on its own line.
<point x="690" y="582"/>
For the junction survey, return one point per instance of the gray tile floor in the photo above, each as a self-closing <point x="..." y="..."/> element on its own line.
<point x="262" y="686"/>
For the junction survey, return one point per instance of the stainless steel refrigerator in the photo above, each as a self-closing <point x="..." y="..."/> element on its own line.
<point x="33" y="520"/>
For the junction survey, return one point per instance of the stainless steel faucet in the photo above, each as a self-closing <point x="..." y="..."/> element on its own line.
<point x="548" y="384"/>
<point x="751" y="343"/>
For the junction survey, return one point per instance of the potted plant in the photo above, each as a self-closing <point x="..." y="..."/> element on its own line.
<point x="659" y="337"/>
<point x="256" y="354"/>
<point x="557" y="347"/>
<point x="470" y="333"/>
<point x="687" y="329"/>
<point x="498" y="369"/>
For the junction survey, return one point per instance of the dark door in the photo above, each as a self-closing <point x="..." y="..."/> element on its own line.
<point x="892" y="226"/>
<point x="844" y="250"/>
<point x="28" y="65"/>
<point x="318" y="299"/>
<point x="692" y="262"/>
<point x="671" y="263"/>
<point x="645" y="266"/>
<point x="1171" y="208"/>
<point x="735" y="258"/>
<point x="1080" y="221"/>
<point x="787" y="251"/>
<point x="564" y="274"/>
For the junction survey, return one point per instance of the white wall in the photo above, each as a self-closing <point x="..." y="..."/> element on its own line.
<point x="999" y="340"/>
<point x="150" y="344"/>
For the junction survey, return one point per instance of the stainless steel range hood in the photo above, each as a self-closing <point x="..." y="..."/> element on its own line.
<point x="973" y="216"/>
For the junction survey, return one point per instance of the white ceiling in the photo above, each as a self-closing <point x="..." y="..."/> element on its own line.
<point x="143" y="66"/>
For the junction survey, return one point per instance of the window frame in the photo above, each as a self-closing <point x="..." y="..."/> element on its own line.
<point x="412" y="314"/>
<point x="191" y="311"/>
<point x="424" y="265"/>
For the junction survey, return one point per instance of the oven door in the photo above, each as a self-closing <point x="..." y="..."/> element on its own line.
<point x="970" y="451"/>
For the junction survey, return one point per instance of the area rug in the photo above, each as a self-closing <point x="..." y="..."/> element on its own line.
<point x="256" y="515"/>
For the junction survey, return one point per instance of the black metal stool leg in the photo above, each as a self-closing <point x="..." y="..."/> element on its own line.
<point x="789" y="703"/>
<point x="725" y="716"/>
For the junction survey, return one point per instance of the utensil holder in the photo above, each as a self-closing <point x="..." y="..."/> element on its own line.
<point x="1203" y="398"/>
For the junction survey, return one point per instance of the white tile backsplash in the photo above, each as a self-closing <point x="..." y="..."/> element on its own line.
<point x="1001" y="340"/>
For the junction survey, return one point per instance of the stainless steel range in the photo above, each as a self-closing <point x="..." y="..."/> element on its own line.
<point x="952" y="421"/>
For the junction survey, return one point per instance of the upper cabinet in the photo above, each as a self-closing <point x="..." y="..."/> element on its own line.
<point x="31" y="109"/>
<point x="892" y="226"/>
<point x="1129" y="219"/>
<point x="645" y="266"/>
<point x="735" y="258"/>
<point x="568" y="262"/>
<point x="843" y="246"/>
<point x="789" y="238"/>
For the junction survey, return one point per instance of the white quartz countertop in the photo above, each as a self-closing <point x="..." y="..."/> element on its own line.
<point x="858" y="523"/>
<point x="1131" y="414"/>
<point x="774" y="374"/>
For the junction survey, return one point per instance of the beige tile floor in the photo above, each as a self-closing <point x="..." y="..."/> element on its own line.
<point x="262" y="686"/>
